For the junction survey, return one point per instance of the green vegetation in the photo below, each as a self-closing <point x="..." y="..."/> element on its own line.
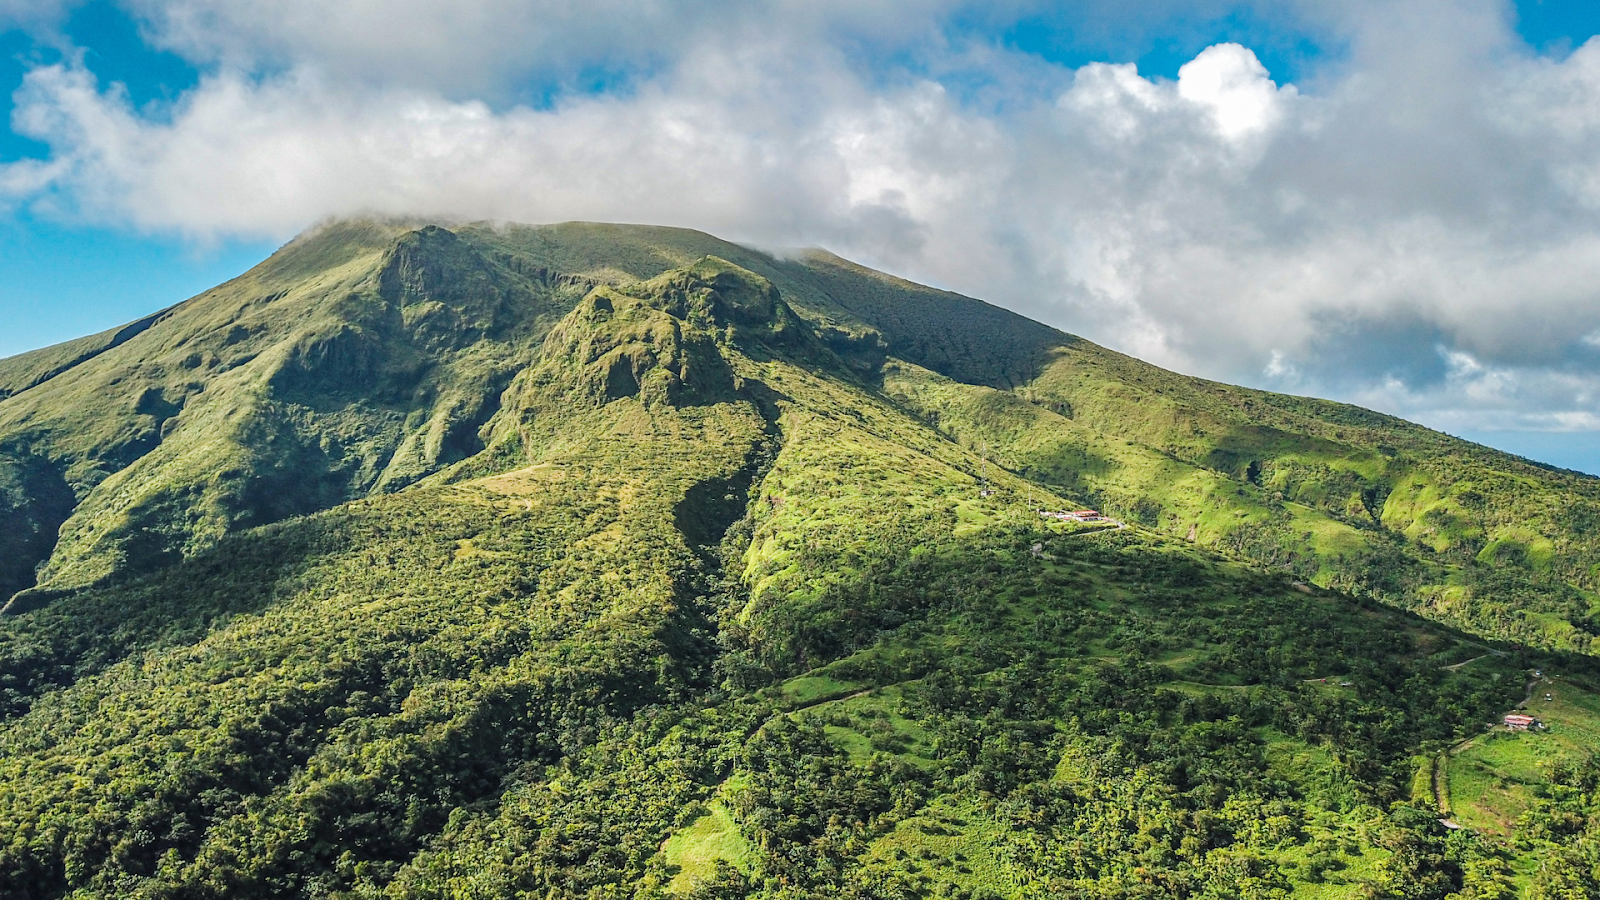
<point x="603" y="562"/>
<point x="696" y="849"/>
<point x="1533" y="791"/>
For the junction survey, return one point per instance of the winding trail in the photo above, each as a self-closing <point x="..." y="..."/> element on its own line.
<point x="1529" y="694"/>
<point x="1437" y="774"/>
<point x="831" y="698"/>
<point x="1489" y="651"/>
<point x="1088" y="531"/>
<point x="1457" y="666"/>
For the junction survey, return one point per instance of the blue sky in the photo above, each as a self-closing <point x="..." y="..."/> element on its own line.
<point x="1381" y="202"/>
<point x="61" y="277"/>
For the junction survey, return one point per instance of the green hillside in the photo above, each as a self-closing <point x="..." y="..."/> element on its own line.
<point x="612" y="561"/>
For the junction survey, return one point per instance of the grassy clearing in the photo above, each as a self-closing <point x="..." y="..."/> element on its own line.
<point x="948" y="844"/>
<point x="1496" y="777"/>
<point x="1490" y="783"/>
<point x="808" y="689"/>
<point x="868" y="724"/>
<point x="694" y="850"/>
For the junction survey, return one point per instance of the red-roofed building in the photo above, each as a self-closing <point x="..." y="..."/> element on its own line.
<point x="1519" y="722"/>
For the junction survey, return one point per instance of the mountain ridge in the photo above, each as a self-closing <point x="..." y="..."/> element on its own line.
<point x="519" y="274"/>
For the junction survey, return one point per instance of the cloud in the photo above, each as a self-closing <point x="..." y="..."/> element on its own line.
<point x="1232" y="85"/>
<point x="1279" y="370"/>
<point x="42" y="21"/>
<point x="1477" y="396"/>
<point x="1436" y="186"/>
<point x="480" y="47"/>
<point x="35" y="15"/>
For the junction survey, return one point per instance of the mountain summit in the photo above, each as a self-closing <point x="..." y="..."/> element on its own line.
<point x="590" y="560"/>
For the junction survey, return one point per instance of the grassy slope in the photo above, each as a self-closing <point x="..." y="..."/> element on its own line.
<point x="1496" y="776"/>
<point x="329" y="371"/>
<point x="1473" y="527"/>
<point x="694" y="850"/>
<point x="1460" y="532"/>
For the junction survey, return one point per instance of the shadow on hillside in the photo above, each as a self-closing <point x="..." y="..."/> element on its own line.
<point x="55" y="637"/>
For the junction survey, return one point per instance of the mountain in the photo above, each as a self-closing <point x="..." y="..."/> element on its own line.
<point x="478" y="560"/>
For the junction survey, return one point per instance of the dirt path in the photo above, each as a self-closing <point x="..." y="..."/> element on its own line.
<point x="830" y="699"/>
<point x="1487" y="652"/>
<point x="1534" y="680"/>
<point x="1088" y="531"/>
<point x="1439" y="764"/>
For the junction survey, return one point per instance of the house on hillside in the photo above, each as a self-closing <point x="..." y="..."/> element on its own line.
<point x="1520" y="722"/>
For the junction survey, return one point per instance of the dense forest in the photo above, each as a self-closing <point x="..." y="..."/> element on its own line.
<point x="617" y="562"/>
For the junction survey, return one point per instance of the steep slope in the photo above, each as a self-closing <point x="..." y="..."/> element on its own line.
<point x="357" y="359"/>
<point x="710" y="614"/>
<point x="1335" y="493"/>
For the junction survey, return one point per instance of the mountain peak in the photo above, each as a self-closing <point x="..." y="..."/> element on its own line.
<point x="368" y="354"/>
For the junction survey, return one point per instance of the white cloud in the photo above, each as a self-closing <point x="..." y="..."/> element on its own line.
<point x="1232" y="85"/>
<point x="1439" y="187"/>
<point x="481" y="45"/>
<point x="1477" y="396"/>
<point x="35" y="15"/>
<point x="1280" y="371"/>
